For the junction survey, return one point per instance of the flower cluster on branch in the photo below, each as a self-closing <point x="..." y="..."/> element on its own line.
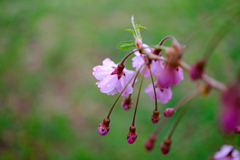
<point x="167" y="70"/>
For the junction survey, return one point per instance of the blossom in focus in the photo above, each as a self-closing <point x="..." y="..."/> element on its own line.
<point x="231" y="108"/>
<point x="163" y="94"/>
<point x="170" y="75"/>
<point x="140" y="59"/>
<point x="227" y="152"/>
<point x="113" y="78"/>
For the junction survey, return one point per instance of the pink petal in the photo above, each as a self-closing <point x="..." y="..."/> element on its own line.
<point x="100" y="72"/>
<point x="108" y="84"/>
<point x="225" y="149"/>
<point x="108" y="62"/>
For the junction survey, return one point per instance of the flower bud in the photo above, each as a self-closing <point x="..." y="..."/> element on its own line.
<point x="131" y="136"/>
<point x="104" y="126"/>
<point x="197" y="70"/>
<point x="155" y="116"/>
<point x="166" y="145"/>
<point x="138" y="43"/>
<point x="127" y="103"/>
<point x="150" y="142"/>
<point x="169" y="112"/>
<point x="237" y="130"/>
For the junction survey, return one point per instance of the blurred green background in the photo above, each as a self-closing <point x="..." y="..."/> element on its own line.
<point x="50" y="107"/>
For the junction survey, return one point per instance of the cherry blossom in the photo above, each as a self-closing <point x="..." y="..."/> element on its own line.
<point x="163" y="94"/>
<point x="113" y="78"/>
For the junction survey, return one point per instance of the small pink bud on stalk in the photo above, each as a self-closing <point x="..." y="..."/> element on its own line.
<point x="104" y="126"/>
<point x="155" y="116"/>
<point x="169" y="112"/>
<point x="150" y="142"/>
<point x="166" y="145"/>
<point x="131" y="136"/>
<point x="127" y="103"/>
<point x="197" y="70"/>
<point x="138" y="43"/>
<point x="237" y="130"/>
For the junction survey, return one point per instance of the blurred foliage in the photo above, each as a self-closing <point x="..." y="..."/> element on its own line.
<point x="50" y="106"/>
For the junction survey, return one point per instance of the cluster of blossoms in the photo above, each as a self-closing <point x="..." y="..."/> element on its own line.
<point x="167" y="71"/>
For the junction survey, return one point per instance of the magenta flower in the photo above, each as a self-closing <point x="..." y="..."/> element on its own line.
<point x="169" y="76"/>
<point x="231" y="107"/>
<point x="113" y="78"/>
<point x="140" y="59"/>
<point x="227" y="152"/>
<point x="163" y="94"/>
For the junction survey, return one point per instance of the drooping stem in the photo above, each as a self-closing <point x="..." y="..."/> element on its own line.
<point x="160" y="125"/>
<point x="129" y="96"/>
<point x="135" y="112"/>
<point x="154" y="89"/>
<point x="109" y="113"/>
<point x="183" y="111"/>
<point x="187" y="98"/>
<point x="157" y="51"/>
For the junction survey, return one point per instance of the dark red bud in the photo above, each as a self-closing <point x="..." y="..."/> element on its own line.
<point x="150" y="142"/>
<point x="104" y="126"/>
<point x="166" y="145"/>
<point x="169" y="112"/>
<point x="127" y="103"/>
<point x="237" y="130"/>
<point x="155" y="116"/>
<point x="197" y="70"/>
<point x="131" y="136"/>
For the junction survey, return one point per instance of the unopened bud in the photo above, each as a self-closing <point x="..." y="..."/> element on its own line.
<point x="104" y="127"/>
<point x="169" y="112"/>
<point x="127" y="103"/>
<point x="131" y="136"/>
<point x="138" y="43"/>
<point x="197" y="70"/>
<point x="237" y="130"/>
<point x="155" y="116"/>
<point x="166" y="145"/>
<point x="150" y="142"/>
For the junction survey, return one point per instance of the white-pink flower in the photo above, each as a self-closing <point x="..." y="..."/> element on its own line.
<point x="139" y="60"/>
<point x="113" y="78"/>
<point x="227" y="152"/>
<point x="163" y="94"/>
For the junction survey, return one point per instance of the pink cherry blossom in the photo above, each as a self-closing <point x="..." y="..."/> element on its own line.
<point x="163" y="94"/>
<point x="112" y="78"/>
<point x="227" y="152"/>
<point x="169" y="76"/>
<point x="140" y="59"/>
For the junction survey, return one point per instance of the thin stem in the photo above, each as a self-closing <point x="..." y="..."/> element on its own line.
<point x="156" y="108"/>
<point x="187" y="98"/>
<point x="157" y="51"/>
<point x="183" y="111"/>
<point x="109" y="113"/>
<point x="160" y="125"/>
<point x="129" y="96"/>
<point x="135" y="112"/>
<point x="216" y="39"/>
<point x="212" y="82"/>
